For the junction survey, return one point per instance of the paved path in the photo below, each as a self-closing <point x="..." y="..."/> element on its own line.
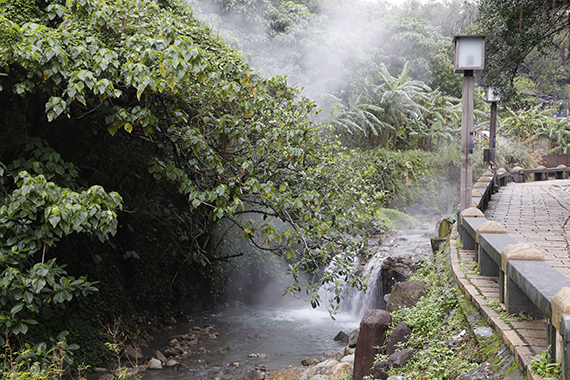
<point x="536" y="213"/>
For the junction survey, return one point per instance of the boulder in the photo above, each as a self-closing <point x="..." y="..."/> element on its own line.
<point x="400" y="358"/>
<point x="396" y="269"/>
<point x="378" y="372"/>
<point x="400" y="334"/>
<point x="329" y="354"/>
<point x="405" y="294"/>
<point x="154" y="363"/>
<point x="341" y="337"/>
<point x="372" y="335"/>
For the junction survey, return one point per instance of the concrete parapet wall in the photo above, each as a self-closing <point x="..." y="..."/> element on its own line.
<point x="527" y="284"/>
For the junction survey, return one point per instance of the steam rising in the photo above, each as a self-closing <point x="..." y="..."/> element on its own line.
<point x="320" y="53"/>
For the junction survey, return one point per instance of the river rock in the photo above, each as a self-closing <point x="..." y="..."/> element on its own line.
<point x="341" y="337"/>
<point x="320" y="377"/>
<point x="172" y="363"/>
<point x="133" y="353"/>
<point x="405" y="294"/>
<point x="154" y="363"/>
<point x="348" y="359"/>
<point x="339" y="371"/>
<point x="160" y="356"/>
<point x="353" y="338"/>
<point x="225" y="350"/>
<point x="252" y="375"/>
<point x="309" y="361"/>
<point x="372" y="335"/>
<point x="400" y="334"/>
<point x="329" y="354"/>
<point x="400" y="358"/>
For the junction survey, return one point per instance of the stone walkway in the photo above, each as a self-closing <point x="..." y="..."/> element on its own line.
<point x="536" y="213"/>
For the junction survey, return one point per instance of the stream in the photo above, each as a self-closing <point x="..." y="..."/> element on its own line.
<point x="282" y="336"/>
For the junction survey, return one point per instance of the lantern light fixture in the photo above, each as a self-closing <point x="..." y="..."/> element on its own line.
<point x="469" y="53"/>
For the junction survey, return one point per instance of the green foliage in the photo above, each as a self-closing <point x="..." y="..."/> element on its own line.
<point x="528" y="39"/>
<point x="434" y="319"/>
<point x="33" y="218"/>
<point x="529" y="125"/>
<point x="142" y="99"/>
<point x="543" y="366"/>
<point x="416" y="176"/>
<point x="39" y="362"/>
<point x="394" y="219"/>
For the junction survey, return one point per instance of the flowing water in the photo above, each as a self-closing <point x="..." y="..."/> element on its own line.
<point x="283" y="335"/>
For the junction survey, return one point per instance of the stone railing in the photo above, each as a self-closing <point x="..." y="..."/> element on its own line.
<point x="526" y="282"/>
<point x="540" y="173"/>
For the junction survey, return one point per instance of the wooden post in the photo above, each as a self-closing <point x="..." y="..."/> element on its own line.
<point x="467" y="139"/>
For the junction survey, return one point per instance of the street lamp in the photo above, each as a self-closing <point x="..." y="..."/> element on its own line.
<point x="469" y="58"/>
<point x="492" y="97"/>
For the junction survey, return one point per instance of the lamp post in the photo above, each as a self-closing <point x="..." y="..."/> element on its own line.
<point x="492" y="97"/>
<point x="469" y="59"/>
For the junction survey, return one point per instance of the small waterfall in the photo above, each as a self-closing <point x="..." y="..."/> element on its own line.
<point x="356" y="303"/>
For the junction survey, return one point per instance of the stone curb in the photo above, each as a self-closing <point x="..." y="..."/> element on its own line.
<point x="511" y="337"/>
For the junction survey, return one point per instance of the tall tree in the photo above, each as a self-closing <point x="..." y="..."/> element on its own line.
<point x="514" y="30"/>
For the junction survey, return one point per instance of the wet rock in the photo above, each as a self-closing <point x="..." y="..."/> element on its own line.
<point x="252" y="375"/>
<point x="342" y="352"/>
<point x="372" y="335"/>
<point x="400" y="334"/>
<point x="405" y="294"/>
<point x="172" y="363"/>
<point x="225" y="350"/>
<point x="329" y="354"/>
<point x="353" y="338"/>
<point x="400" y="358"/>
<point x="341" y="337"/>
<point x="154" y="363"/>
<point x="309" y="361"/>
<point x="395" y="270"/>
